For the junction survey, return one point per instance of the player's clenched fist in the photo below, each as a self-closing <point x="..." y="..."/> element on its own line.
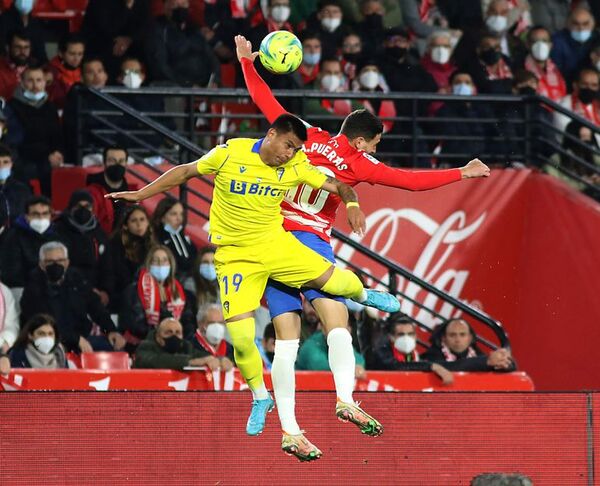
<point x="475" y="168"/>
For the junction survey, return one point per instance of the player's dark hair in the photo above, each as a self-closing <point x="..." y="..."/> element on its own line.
<point x="361" y="123"/>
<point x="289" y="123"/>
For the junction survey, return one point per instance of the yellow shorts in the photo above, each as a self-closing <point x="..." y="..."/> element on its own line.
<point x="243" y="271"/>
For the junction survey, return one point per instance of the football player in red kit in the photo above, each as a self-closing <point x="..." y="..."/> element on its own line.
<point x="310" y="214"/>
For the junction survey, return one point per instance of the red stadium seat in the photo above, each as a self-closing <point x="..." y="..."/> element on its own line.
<point x="105" y="361"/>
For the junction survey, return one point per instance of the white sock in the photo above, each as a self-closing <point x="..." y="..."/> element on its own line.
<point x="261" y="392"/>
<point x="284" y="383"/>
<point x="342" y="362"/>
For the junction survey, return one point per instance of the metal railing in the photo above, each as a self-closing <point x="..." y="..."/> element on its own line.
<point x="180" y="150"/>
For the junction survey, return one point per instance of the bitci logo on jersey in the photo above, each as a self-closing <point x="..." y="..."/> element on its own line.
<point x="244" y="188"/>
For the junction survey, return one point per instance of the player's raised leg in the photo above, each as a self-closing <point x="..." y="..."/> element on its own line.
<point x="242" y="281"/>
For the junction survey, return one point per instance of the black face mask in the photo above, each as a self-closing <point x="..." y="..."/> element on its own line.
<point x="81" y="215"/>
<point x="54" y="272"/>
<point x="115" y="172"/>
<point x="490" y="56"/>
<point x="180" y="15"/>
<point x="526" y="90"/>
<point x="173" y="344"/>
<point x="587" y="95"/>
<point x="396" y="52"/>
<point x="352" y="57"/>
<point x="374" y="21"/>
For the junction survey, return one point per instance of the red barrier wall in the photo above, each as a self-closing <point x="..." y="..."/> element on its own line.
<point x="158" y="438"/>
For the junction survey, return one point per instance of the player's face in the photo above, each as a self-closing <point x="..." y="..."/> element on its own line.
<point x="369" y="146"/>
<point x="458" y="337"/>
<point x="280" y="147"/>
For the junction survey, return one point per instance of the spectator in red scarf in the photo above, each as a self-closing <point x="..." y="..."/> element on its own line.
<point x="437" y="60"/>
<point x="278" y="13"/>
<point x="454" y="344"/>
<point x="584" y="101"/>
<point x="551" y="83"/>
<point x="155" y="295"/>
<point x="351" y="53"/>
<point x="13" y="65"/>
<point x="65" y="68"/>
<point x="397" y="351"/>
<point x="311" y="57"/>
<point x="210" y="335"/>
<point x="491" y="69"/>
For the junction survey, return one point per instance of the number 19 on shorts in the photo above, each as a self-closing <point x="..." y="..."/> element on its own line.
<point x="232" y="283"/>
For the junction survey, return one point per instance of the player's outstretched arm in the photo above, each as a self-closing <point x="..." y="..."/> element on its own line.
<point x="170" y="179"/>
<point x="356" y="218"/>
<point x="259" y="90"/>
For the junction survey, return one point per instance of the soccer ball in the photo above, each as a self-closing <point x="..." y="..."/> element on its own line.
<point x="281" y="52"/>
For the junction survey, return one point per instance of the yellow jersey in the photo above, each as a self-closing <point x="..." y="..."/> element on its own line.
<point x="245" y="207"/>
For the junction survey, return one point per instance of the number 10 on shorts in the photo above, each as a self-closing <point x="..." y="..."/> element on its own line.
<point x="236" y="281"/>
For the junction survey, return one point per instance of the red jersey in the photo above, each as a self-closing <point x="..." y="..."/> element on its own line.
<point x="314" y="210"/>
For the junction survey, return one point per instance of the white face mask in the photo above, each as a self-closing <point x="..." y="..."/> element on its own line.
<point x="369" y="79"/>
<point x="44" y="344"/>
<point x="540" y="50"/>
<point x="497" y="23"/>
<point x="405" y="344"/>
<point x="132" y="80"/>
<point x="440" y="54"/>
<point x="462" y="89"/>
<point x="39" y="225"/>
<point x="331" y="23"/>
<point x="331" y="82"/>
<point x="215" y="333"/>
<point x="280" y="13"/>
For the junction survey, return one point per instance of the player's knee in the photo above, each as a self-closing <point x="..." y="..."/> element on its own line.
<point x="243" y="344"/>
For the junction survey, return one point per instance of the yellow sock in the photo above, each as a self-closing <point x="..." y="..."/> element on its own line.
<point x="247" y="357"/>
<point x="343" y="283"/>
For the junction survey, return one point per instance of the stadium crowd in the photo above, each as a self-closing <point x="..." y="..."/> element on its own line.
<point x="103" y="275"/>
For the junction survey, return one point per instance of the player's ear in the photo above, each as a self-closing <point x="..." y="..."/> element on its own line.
<point x="271" y="132"/>
<point x="359" y="143"/>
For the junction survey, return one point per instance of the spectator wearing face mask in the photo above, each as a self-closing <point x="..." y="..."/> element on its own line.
<point x="18" y="18"/>
<point x="176" y="51"/>
<point x="311" y="57"/>
<point x="111" y="179"/>
<point x="551" y="83"/>
<point x="210" y="335"/>
<point x="13" y="65"/>
<point x="23" y="241"/>
<point x="169" y="228"/>
<point x="565" y="165"/>
<point x="203" y="283"/>
<point x="571" y="46"/>
<point x="42" y="146"/>
<point x="38" y="345"/>
<point x="277" y="15"/>
<point x="55" y="289"/>
<point x="370" y="29"/>
<point x="351" y="53"/>
<point x="128" y="248"/>
<point x="65" y="68"/>
<point x="454" y="345"/>
<point x="397" y="351"/>
<point x="498" y="22"/>
<point x="490" y="69"/>
<point x="477" y="136"/>
<point x="331" y="79"/>
<point x="327" y="22"/>
<point x="155" y="295"/>
<point x="13" y="193"/>
<point x="584" y="100"/>
<point x="438" y="61"/>
<point x="78" y="228"/>
<point x="370" y="80"/>
<point x="165" y="348"/>
<point x="114" y="29"/>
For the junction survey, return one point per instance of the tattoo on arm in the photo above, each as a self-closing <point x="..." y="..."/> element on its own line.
<point x="346" y="193"/>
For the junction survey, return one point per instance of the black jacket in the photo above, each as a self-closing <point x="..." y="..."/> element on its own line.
<point x="73" y="304"/>
<point x="133" y="319"/>
<point x="85" y="247"/>
<point x="20" y="252"/>
<point x="383" y="359"/>
<point x="11" y="21"/>
<point x="182" y="247"/>
<point x="13" y="194"/>
<point x="182" y="57"/>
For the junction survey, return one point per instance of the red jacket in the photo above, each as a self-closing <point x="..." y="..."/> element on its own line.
<point x="10" y="76"/>
<point x="62" y="81"/>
